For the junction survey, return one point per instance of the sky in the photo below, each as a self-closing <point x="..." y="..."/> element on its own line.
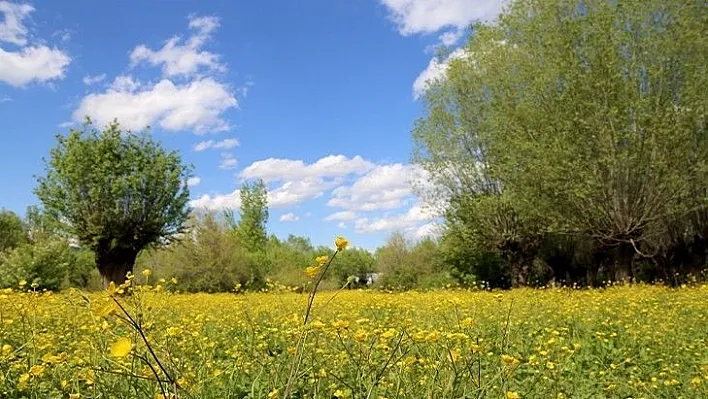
<point x="316" y="97"/>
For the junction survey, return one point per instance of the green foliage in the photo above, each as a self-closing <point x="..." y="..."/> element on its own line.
<point x="251" y="228"/>
<point x="287" y="260"/>
<point x="356" y="262"/>
<point x="210" y="258"/>
<point x="47" y="264"/>
<point x="583" y="119"/>
<point x="12" y="232"/>
<point x="404" y="265"/>
<point x="117" y="191"/>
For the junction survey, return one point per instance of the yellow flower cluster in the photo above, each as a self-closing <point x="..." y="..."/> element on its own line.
<point x="641" y="341"/>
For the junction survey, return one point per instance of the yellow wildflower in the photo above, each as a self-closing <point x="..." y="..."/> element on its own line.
<point x="6" y="350"/>
<point x="341" y="243"/>
<point x="173" y="331"/>
<point x="36" y="370"/>
<point x="121" y="348"/>
<point x="509" y="360"/>
<point x="360" y="335"/>
<point x="512" y="395"/>
<point x="312" y="271"/>
<point x="22" y="381"/>
<point x="147" y="272"/>
<point x="340" y="324"/>
<point x="321" y="260"/>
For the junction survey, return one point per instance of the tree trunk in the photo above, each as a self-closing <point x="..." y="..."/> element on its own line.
<point x="623" y="268"/>
<point x="115" y="264"/>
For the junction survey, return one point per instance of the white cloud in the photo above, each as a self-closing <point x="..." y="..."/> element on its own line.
<point x="68" y="124"/>
<point x="218" y="202"/>
<point x="436" y="70"/>
<point x="370" y="188"/>
<point x="193" y="181"/>
<point x="178" y="58"/>
<point x="429" y="16"/>
<point x="5" y="99"/>
<point x="197" y="105"/>
<point x="275" y="169"/>
<point x="223" y="144"/>
<point x="384" y="187"/>
<point x="289" y="217"/>
<point x="92" y="80"/>
<point x="451" y="37"/>
<point x="11" y="28"/>
<point x="297" y="191"/>
<point x="30" y="63"/>
<point x="412" y="220"/>
<point x="342" y="225"/>
<point x="427" y="230"/>
<point x="228" y="161"/>
<point x="342" y="215"/>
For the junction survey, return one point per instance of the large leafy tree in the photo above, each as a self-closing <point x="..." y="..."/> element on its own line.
<point x="587" y="117"/>
<point x="117" y="192"/>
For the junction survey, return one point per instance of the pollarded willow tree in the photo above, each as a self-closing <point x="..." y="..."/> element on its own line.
<point x="117" y="192"/>
<point x="590" y="115"/>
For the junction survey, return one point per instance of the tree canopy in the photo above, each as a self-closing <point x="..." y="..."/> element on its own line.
<point x="584" y="119"/>
<point x="117" y="192"/>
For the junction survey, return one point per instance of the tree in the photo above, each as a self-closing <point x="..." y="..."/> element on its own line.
<point x="251" y="228"/>
<point x="356" y="262"/>
<point x="12" y="231"/>
<point x="117" y="192"/>
<point x="573" y="118"/>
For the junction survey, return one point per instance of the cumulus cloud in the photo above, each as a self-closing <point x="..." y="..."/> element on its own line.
<point x="12" y="30"/>
<point x="384" y="187"/>
<point x="193" y="181"/>
<point x="179" y="58"/>
<point x="218" y="202"/>
<point x="289" y="217"/>
<point x="342" y="215"/>
<point x="297" y="191"/>
<point x="427" y="16"/>
<point x="30" y="63"/>
<point x="223" y="144"/>
<point x="92" y="80"/>
<point x="197" y="105"/>
<point x="353" y="184"/>
<point x="409" y="221"/>
<point x="275" y="169"/>
<point x="436" y="70"/>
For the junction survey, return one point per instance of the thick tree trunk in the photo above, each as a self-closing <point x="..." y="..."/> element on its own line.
<point x="623" y="268"/>
<point x="115" y="264"/>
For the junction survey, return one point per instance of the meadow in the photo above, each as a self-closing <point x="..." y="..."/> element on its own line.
<point x="620" y="341"/>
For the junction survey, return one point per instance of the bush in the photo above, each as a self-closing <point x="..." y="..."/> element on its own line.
<point x="209" y="259"/>
<point x="45" y="263"/>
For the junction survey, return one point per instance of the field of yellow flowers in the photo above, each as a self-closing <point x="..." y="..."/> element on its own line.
<point x="619" y="342"/>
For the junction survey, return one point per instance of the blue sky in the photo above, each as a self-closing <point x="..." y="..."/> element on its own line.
<point x="316" y="97"/>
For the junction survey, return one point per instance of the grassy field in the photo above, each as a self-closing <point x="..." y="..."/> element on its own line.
<point x="618" y="342"/>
